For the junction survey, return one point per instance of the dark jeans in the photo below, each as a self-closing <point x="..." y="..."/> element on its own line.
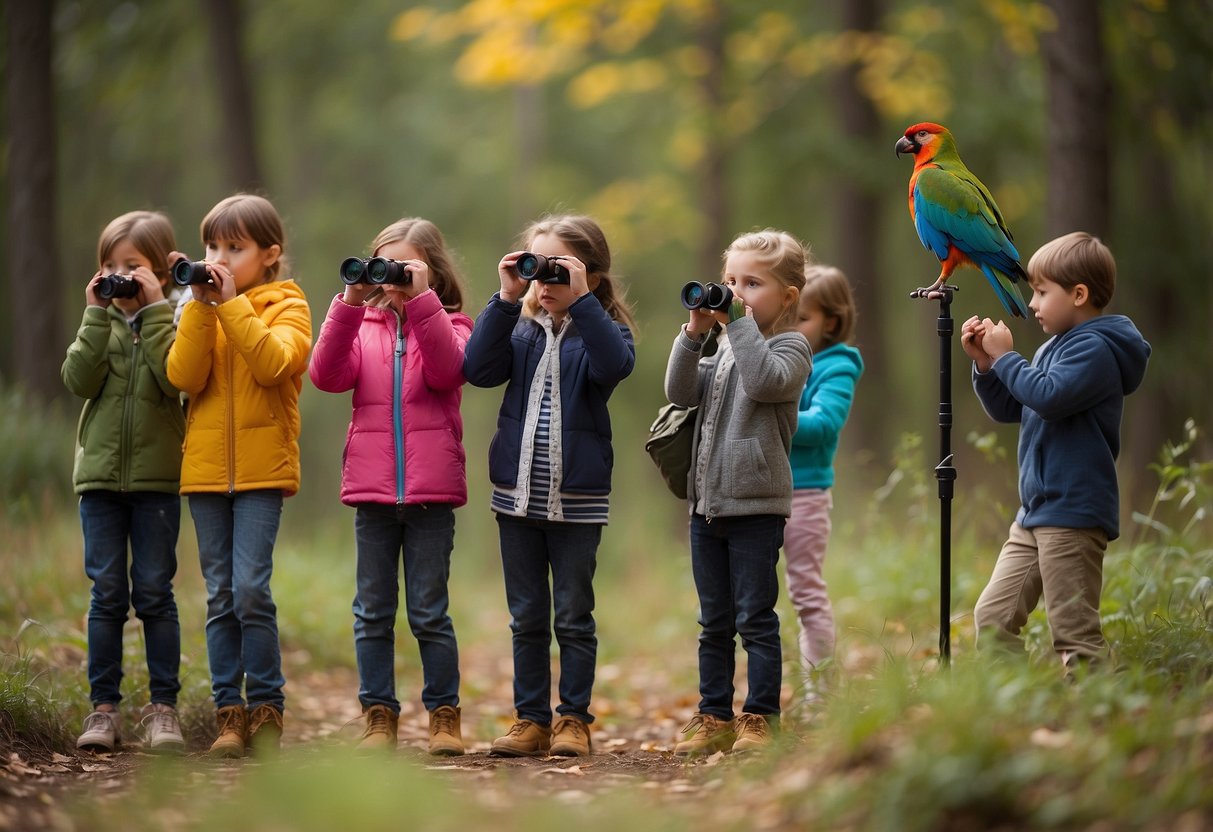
<point x="236" y="534"/>
<point x="733" y="560"/>
<point x="150" y="521"/>
<point x="529" y="548"/>
<point x="426" y="535"/>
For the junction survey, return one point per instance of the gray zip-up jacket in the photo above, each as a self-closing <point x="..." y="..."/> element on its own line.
<point x="747" y="395"/>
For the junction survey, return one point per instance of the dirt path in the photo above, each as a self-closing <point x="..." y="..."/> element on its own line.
<point x="632" y="749"/>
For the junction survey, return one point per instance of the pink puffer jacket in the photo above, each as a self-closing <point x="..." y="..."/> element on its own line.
<point x="407" y="378"/>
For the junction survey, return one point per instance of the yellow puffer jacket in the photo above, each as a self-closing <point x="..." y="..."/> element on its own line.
<point x="241" y="364"/>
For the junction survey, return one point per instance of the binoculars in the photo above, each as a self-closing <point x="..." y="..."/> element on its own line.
<point x="544" y="269"/>
<point x="375" y="271"/>
<point x="190" y="273"/>
<point x="116" y="286"/>
<point x="713" y="297"/>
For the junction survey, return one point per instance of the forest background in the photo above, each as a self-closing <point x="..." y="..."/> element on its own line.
<point x="678" y="124"/>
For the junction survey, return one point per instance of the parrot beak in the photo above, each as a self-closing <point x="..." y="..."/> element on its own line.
<point x="905" y="145"/>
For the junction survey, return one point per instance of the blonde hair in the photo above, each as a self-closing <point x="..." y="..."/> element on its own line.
<point x="150" y="233"/>
<point x="247" y="217"/>
<point x="829" y="289"/>
<point x="785" y="257"/>
<point x="584" y="237"/>
<point x="426" y="238"/>
<point x="1077" y="257"/>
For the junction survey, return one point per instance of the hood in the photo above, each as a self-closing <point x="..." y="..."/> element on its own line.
<point x="275" y="291"/>
<point x="1130" y="349"/>
<point x="843" y="354"/>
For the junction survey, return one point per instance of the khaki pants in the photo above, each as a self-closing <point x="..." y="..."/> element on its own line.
<point x="1066" y="566"/>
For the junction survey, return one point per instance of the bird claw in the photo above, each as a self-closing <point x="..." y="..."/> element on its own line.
<point x="937" y="292"/>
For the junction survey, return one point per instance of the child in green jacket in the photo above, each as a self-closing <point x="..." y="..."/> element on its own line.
<point x="128" y="463"/>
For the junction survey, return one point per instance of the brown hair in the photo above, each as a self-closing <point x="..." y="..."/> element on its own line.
<point x="784" y="256"/>
<point x="247" y="217"/>
<point x="829" y="289"/>
<point x="150" y="233"/>
<point x="1077" y="257"/>
<point x="426" y="238"/>
<point x="584" y="236"/>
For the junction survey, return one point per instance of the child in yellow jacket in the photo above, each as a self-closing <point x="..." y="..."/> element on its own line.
<point x="240" y="355"/>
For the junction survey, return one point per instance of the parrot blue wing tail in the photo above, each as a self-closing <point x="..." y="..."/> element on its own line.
<point x="1007" y="292"/>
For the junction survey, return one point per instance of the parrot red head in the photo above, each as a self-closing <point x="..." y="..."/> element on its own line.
<point x="923" y="140"/>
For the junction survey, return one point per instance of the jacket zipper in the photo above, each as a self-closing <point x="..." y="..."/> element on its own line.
<point x="231" y="424"/>
<point x="397" y="406"/>
<point x="124" y="447"/>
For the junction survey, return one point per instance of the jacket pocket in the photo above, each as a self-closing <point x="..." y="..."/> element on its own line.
<point x="747" y="473"/>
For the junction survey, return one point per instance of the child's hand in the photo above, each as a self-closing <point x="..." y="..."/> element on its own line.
<point x="513" y="287"/>
<point x="578" y="281"/>
<point x="355" y="293"/>
<point x="701" y="323"/>
<point x="419" y="281"/>
<point x="997" y="341"/>
<point x="150" y="290"/>
<point x="90" y="293"/>
<point x="972" y="335"/>
<point x="225" y="282"/>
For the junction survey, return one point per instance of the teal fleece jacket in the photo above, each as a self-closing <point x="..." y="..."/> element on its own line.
<point x="824" y="407"/>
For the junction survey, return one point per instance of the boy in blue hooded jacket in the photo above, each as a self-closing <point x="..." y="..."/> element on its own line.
<point x="1068" y="401"/>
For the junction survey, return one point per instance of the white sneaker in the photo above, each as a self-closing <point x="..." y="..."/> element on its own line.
<point x="100" y="731"/>
<point x="161" y="730"/>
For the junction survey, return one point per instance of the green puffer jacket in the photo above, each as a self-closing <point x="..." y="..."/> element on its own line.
<point x="132" y="426"/>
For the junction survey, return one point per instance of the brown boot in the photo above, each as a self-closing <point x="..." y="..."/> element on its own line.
<point x="233" y="732"/>
<point x="265" y="729"/>
<point x="570" y="738"/>
<point x="705" y="734"/>
<point x="754" y="732"/>
<point x="525" y="739"/>
<point x="381" y="727"/>
<point x="446" y="736"/>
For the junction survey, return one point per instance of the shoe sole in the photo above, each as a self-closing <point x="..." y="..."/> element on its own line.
<point x="96" y="747"/>
<point x="510" y="752"/>
<point x="170" y="747"/>
<point x="446" y="752"/>
<point x="723" y="744"/>
<point x="566" y="751"/>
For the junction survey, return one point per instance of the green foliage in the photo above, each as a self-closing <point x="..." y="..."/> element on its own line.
<point x="36" y="455"/>
<point x="30" y="712"/>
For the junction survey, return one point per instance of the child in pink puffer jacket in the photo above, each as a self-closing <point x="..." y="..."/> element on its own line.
<point x="399" y="346"/>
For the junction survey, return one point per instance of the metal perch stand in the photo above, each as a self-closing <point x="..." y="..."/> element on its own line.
<point x="945" y="472"/>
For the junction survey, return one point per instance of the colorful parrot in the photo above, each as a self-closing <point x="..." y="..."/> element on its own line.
<point x="956" y="217"/>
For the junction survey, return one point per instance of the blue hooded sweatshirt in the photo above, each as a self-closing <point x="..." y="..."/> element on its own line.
<point x="824" y="407"/>
<point x="1069" y="402"/>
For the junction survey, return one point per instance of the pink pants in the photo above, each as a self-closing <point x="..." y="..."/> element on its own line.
<point x="804" y="546"/>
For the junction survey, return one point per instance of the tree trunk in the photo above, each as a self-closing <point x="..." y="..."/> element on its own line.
<point x="1079" y="95"/>
<point x="32" y="357"/>
<point x="858" y="228"/>
<point x="713" y="188"/>
<point x="235" y="94"/>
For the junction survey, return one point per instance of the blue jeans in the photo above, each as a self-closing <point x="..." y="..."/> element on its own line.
<point x="236" y="534"/>
<point x="426" y="534"/>
<point x="150" y="520"/>
<point x="528" y="549"/>
<point x="733" y="560"/>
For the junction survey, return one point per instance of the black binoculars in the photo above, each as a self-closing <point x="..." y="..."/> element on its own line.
<point x="190" y="273"/>
<point x="116" y="286"/>
<point x="714" y="297"/>
<point x="544" y="269"/>
<point x="376" y="271"/>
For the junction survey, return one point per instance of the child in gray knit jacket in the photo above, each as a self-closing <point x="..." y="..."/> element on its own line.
<point x="739" y="488"/>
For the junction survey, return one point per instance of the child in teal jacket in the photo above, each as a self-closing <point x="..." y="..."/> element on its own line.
<point x="827" y="318"/>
